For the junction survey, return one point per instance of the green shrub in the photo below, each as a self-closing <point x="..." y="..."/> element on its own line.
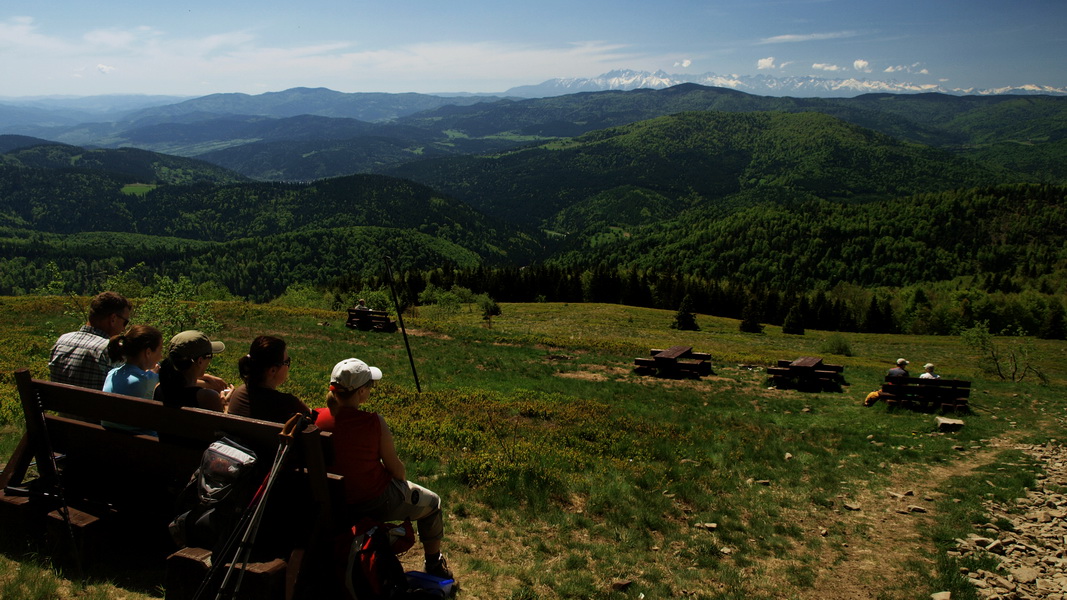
<point x="174" y="308"/>
<point x="836" y="344"/>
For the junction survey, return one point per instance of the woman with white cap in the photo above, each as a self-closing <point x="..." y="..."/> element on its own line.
<point x="188" y="355"/>
<point x="376" y="484"/>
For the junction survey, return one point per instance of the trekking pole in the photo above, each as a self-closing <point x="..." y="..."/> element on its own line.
<point x="295" y="423"/>
<point x="400" y="319"/>
<point x="242" y="523"/>
<point x="60" y="493"/>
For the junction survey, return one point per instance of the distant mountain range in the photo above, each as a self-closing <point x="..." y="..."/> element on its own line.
<point x="759" y="84"/>
<point x="306" y="134"/>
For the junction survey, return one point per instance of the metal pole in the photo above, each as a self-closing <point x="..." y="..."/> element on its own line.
<point x="400" y="319"/>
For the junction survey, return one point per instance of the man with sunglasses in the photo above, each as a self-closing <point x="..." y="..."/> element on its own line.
<point x="80" y="357"/>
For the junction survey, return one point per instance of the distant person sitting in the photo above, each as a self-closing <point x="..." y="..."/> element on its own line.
<point x="928" y="372"/>
<point x="899" y="370"/>
<point x="361" y="304"/>
<point x="140" y="349"/>
<point x="263" y="369"/>
<point x="376" y="484"/>
<point x="188" y="355"/>
<point x="80" y="357"/>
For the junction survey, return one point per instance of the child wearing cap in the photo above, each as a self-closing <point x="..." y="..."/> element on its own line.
<point x="188" y="355"/>
<point x="376" y="482"/>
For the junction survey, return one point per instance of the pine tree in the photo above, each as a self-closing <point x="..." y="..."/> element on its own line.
<point x="685" y="319"/>
<point x="750" y="317"/>
<point x="794" y="322"/>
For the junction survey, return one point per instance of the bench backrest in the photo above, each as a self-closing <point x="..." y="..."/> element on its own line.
<point x="367" y="314"/>
<point x="933" y="387"/>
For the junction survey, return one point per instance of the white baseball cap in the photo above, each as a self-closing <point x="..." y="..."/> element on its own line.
<point x="352" y="373"/>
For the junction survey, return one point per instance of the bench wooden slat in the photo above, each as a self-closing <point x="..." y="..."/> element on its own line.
<point x="190" y="423"/>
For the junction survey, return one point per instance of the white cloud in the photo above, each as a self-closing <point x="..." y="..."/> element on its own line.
<point x="146" y="60"/>
<point x="765" y="63"/>
<point x="825" y="67"/>
<point x="862" y="66"/>
<point x="685" y="64"/>
<point x="912" y="68"/>
<point x="807" y="37"/>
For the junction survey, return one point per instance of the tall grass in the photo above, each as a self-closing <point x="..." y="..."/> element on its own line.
<point x="563" y="471"/>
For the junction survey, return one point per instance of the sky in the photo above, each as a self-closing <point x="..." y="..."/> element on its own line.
<point x="200" y="47"/>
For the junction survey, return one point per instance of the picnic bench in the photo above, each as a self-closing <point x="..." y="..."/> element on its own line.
<point x="119" y="488"/>
<point x="926" y="394"/>
<point x="368" y="320"/>
<point x="676" y="361"/>
<point x="807" y="373"/>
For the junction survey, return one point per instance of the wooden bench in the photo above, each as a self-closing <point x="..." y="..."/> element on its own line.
<point x="676" y="361"/>
<point x="368" y="320"/>
<point x="926" y="394"/>
<point x="119" y="488"/>
<point x="807" y="373"/>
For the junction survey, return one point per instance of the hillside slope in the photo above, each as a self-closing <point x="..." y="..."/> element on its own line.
<point x="699" y="157"/>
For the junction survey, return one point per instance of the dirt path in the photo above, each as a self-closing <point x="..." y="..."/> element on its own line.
<point x="885" y="536"/>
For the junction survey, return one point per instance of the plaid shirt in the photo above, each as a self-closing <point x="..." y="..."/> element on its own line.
<point x="80" y="358"/>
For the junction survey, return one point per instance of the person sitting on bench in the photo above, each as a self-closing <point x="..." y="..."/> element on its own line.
<point x="263" y="369"/>
<point x="376" y="484"/>
<point x="140" y="350"/>
<point x="80" y="357"/>
<point x="928" y="372"/>
<point x="900" y="370"/>
<point x="188" y="355"/>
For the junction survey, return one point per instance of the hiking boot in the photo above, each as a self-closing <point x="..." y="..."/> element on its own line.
<point x="438" y="567"/>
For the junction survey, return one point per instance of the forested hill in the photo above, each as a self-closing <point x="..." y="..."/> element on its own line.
<point x="131" y="164"/>
<point x="698" y="158"/>
<point x="254" y="238"/>
<point x="64" y="202"/>
<point x="1011" y="234"/>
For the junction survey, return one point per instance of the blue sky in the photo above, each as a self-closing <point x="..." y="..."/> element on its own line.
<point x="198" y="47"/>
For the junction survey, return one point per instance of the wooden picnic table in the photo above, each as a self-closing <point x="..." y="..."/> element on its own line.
<point x="676" y="361"/>
<point x="807" y="372"/>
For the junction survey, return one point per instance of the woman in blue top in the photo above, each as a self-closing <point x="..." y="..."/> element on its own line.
<point x="140" y="349"/>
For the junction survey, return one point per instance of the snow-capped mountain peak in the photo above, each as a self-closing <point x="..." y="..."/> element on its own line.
<point x="625" y="79"/>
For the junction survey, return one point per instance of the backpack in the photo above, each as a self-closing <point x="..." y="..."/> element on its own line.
<point x="367" y="560"/>
<point x="213" y="500"/>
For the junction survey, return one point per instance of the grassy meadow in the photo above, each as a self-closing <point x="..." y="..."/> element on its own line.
<point x="566" y="475"/>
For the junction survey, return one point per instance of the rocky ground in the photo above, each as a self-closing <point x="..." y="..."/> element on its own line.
<point x="1031" y="551"/>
